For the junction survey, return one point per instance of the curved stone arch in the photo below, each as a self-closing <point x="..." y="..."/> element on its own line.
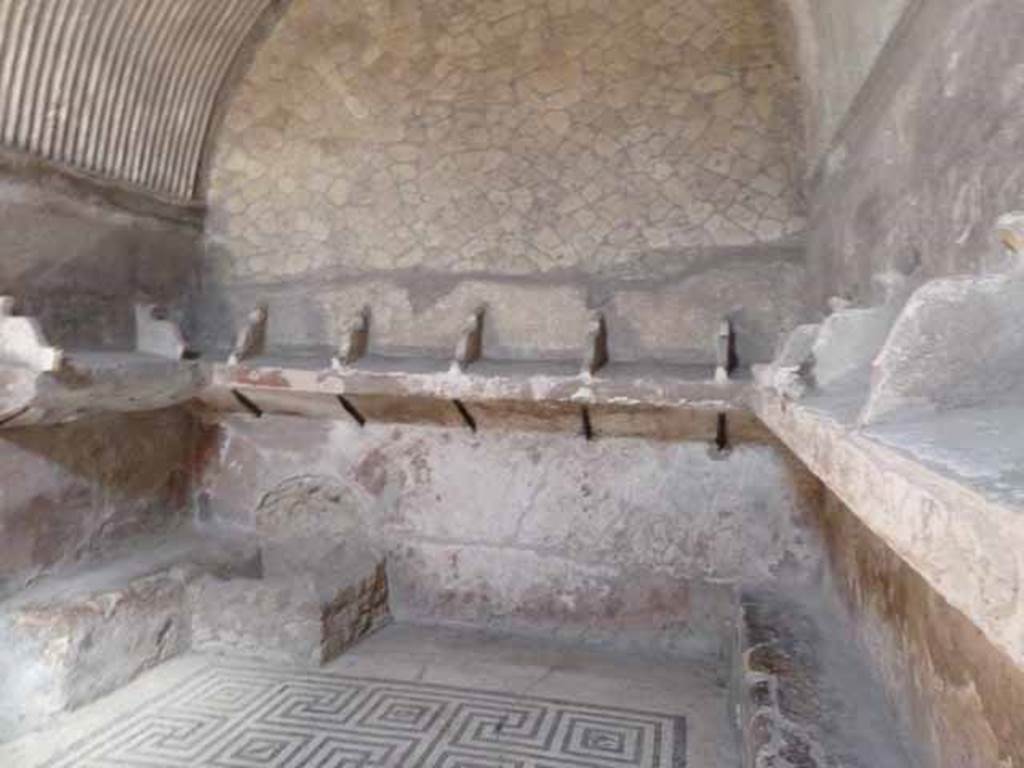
<point x="122" y="90"/>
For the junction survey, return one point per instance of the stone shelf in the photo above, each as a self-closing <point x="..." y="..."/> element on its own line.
<point x="95" y="382"/>
<point x="620" y="398"/>
<point x="944" y="490"/>
<point x="43" y="384"/>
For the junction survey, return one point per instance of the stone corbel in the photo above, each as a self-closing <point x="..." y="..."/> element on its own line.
<point x="725" y="352"/>
<point x="595" y="345"/>
<point x="251" y="339"/>
<point x="470" y="346"/>
<point x="355" y="341"/>
<point x="157" y="335"/>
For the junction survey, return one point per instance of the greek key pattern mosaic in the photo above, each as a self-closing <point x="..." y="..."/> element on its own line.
<point x="233" y="716"/>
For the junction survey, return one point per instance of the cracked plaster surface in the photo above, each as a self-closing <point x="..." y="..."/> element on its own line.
<point x="508" y="136"/>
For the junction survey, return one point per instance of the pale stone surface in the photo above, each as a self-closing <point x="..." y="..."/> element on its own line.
<point x="22" y="343"/>
<point x="835" y="44"/>
<point x="305" y="613"/>
<point x="921" y="174"/>
<point x="156" y="335"/>
<point x="959" y="343"/>
<point x="964" y="541"/>
<point x="78" y="259"/>
<point x="322" y="583"/>
<point x="514" y="528"/>
<point x="506" y="136"/>
<point x="847" y="342"/>
<point x="79" y="635"/>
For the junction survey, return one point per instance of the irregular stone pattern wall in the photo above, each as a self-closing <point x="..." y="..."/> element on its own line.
<point x="510" y="136"/>
<point x="616" y="539"/>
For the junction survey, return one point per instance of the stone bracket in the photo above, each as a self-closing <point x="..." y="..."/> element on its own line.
<point x="157" y="335"/>
<point x="470" y="346"/>
<point x="252" y="338"/>
<point x="725" y="351"/>
<point x="22" y="342"/>
<point x="355" y="342"/>
<point x="595" y="345"/>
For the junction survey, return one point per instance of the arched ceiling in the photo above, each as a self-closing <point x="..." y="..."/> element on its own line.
<point x="120" y="89"/>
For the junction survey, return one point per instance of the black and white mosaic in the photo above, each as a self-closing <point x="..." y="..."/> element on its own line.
<point x="235" y="716"/>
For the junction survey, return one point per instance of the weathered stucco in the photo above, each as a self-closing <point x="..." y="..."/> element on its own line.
<point x="924" y="167"/>
<point x="610" y="537"/>
<point x="511" y="136"/>
<point x="77" y="255"/>
<point x="965" y="696"/>
<point x="69" y="494"/>
<point x="833" y="44"/>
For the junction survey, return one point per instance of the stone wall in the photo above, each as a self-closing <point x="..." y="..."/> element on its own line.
<point x="71" y="494"/>
<point x="925" y="165"/>
<point x="508" y="136"/>
<point x="964" y="696"/>
<point x="617" y="539"/>
<point x="78" y="254"/>
<point x="834" y="45"/>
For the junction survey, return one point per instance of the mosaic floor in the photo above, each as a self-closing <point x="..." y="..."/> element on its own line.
<point x="233" y="716"/>
<point x="407" y="696"/>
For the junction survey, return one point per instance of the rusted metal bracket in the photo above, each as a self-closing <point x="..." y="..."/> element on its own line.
<point x="588" y="426"/>
<point x="467" y="417"/>
<point x="352" y="411"/>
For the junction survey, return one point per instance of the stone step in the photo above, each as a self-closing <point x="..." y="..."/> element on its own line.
<point x="310" y="603"/>
<point x="73" y="637"/>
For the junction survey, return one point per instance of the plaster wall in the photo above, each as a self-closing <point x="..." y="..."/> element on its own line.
<point x="77" y="254"/>
<point x="924" y="166"/>
<point x="615" y="540"/>
<point x="72" y="493"/>
<point x="833" y="45"/>
<point x="964" y="697"/>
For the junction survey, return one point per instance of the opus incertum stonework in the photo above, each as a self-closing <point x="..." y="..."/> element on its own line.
<point x="511" y="137"/>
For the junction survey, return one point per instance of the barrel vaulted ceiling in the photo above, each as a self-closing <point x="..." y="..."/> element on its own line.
<point x="121" y="89"/>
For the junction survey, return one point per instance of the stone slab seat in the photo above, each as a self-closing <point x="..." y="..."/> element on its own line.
<point x="313" y="600"/>
<point x="73" y="637"/>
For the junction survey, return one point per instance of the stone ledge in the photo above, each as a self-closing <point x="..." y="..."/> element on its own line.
<point x="657" y="401"/>
<point x="72" y="638"/>
<point x="964" y="539"/>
